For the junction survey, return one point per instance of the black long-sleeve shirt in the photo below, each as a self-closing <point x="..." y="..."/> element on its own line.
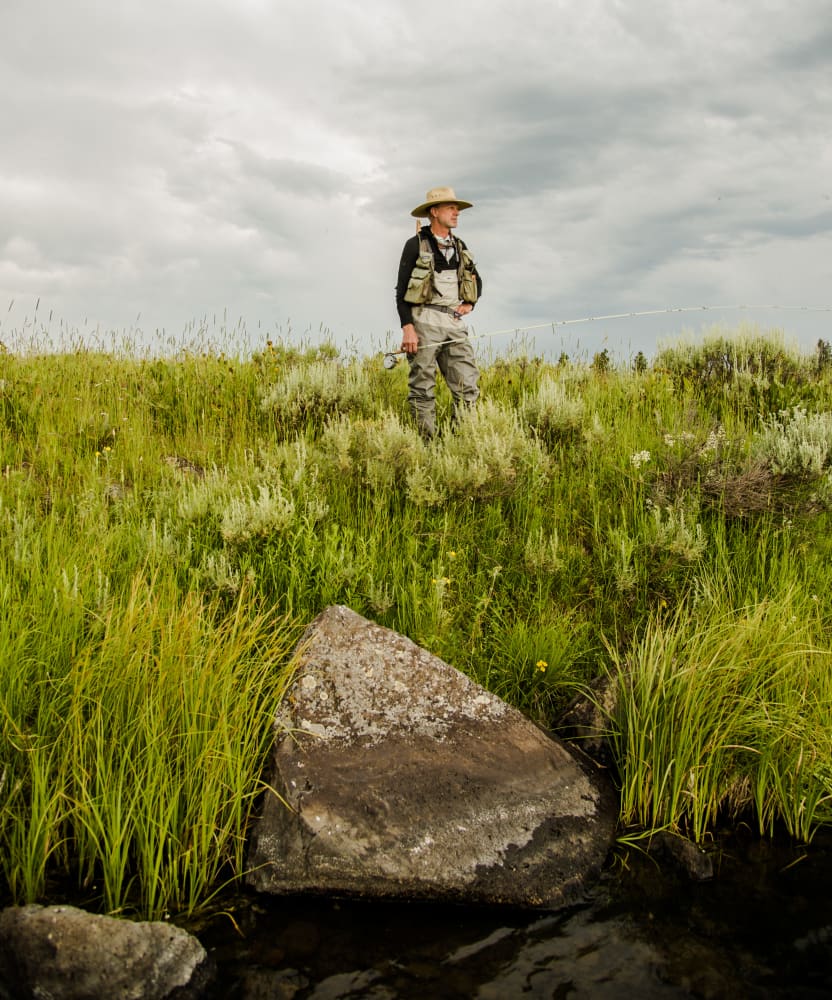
<point x="410" y="254"/>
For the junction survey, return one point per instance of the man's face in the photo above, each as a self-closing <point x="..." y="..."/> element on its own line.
<point x="446" y="215"/>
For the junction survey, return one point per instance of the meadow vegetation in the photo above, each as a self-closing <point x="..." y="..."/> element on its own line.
<point x="169" y="525"/>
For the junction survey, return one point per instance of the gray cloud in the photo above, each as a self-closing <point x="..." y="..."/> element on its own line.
<point x="186" y="158"/>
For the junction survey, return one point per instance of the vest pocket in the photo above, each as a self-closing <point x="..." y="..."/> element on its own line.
<point x="468" y="290"/>
<point x="420" y="285"/>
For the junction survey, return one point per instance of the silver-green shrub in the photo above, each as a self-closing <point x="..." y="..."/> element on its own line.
<point x="247" y="516"/>
<point x="796" y="443"/>
<point x="423" y="490"/>
<point x="316" y="391"/>
<point x="380" y="453"/>
<point x="196" y="501"/>
<point x="218" y="572"/>
<point x="756" y="371"/>
<point x="719" y="356"/>
<point x="490" y="454"/>
<point x="552" y="410"/>
<point x="675" y="530"/>
<point x="543" y="553"/>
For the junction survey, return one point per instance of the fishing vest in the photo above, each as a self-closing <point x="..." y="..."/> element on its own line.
<point x="428" y="286"/>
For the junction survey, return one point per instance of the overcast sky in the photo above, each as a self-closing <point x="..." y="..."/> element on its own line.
<point x="165" y="163"/>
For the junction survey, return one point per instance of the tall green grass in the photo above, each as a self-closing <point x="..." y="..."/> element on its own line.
<point x="167" y="525"/>
<point x="132" y="766"/>
<point x="726" y="714"/>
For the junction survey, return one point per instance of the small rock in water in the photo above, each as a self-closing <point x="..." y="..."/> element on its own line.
<point x="64" y="953"/>
<point x="691" y="858"/>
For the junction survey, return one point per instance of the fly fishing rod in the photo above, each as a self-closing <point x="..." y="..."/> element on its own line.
<point x="391" y="358"/>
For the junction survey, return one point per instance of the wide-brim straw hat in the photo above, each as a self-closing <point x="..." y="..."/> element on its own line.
<point x="439" y="196"/>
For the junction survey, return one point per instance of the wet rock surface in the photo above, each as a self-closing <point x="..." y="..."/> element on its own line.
<point x="403" y="777"/>
<point x="63" y="953"/>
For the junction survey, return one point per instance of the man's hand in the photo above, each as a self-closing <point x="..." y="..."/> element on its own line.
<point x="410" y="342"/>
<point x="464" y="308"/>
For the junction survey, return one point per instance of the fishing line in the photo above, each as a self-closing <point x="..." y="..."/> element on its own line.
<point x="391" y="359"/>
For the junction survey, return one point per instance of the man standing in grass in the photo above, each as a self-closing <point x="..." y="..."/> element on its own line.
<point x="438" y="285"/>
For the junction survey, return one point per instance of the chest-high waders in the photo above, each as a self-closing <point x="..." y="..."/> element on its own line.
<point x="435" y="324"/>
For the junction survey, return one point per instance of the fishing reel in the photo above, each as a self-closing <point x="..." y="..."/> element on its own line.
<point x="391" y="359"/>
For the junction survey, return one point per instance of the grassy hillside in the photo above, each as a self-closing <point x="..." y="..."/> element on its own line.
<point x="168" y="526"/>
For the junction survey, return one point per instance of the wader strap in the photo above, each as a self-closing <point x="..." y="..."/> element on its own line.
<point x="448" y="309"/>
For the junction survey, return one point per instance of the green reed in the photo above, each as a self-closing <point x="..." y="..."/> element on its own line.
<point x="134" y="766"/>
<point x="726" y="714"/>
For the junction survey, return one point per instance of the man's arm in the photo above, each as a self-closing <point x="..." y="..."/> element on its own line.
<point x="410" y="254"/>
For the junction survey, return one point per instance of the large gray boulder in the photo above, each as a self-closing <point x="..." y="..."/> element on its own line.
<point x="393" y="774"/>
<point x="63" y="953"/>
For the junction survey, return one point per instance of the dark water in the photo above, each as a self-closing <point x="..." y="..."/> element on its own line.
<point x="762" y="927"/>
